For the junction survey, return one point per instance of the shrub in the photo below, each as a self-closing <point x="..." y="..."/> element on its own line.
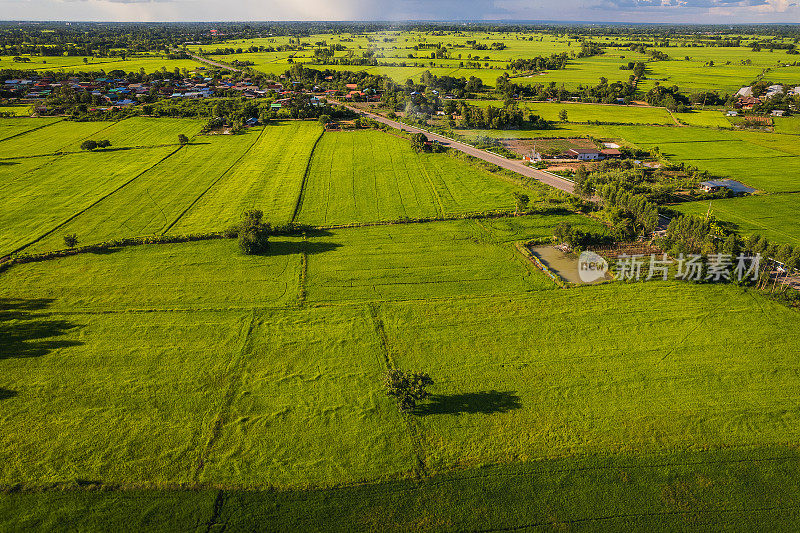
<point x="183" y="139"/>
<point x="88" y="145"/>
<point x="418" y="142"/>
<point x="71" y="241"/>
<point x="521" y="202"/>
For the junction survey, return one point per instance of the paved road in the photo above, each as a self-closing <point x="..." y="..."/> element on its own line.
<point x="545" y="177"/>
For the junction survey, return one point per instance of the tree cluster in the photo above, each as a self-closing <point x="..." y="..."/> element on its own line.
<point x="90" y="144"/>
<point x="538" y="63"/>
<point x="632" y="214"/>
<point x="490" y="117"/>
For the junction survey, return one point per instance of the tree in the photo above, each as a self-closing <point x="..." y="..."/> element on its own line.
<point x="562" y="232"/>
<point x="89" y="145"/>
<point x="324" y="119"/>
<point x="183" y="139"/>
<point x="104" y="143"/>
<point x="71" y="240"/>
<point x="562" y="115"/>
<point x="582" y="186"/>
<point x="237" y="127"/>
<point x="521" y="202"/>
<point x="418" y="141"/>
<point x="253" y="233"/>
<point x="407" y="388"/>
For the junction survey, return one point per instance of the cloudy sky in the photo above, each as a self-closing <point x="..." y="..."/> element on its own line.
<point x="658" y="11"/>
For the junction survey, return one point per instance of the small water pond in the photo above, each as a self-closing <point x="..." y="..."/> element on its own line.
<point x="563" y="264"/>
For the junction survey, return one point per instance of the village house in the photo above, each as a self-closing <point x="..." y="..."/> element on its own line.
<point x="747" y="102"/>
<point x="711" y="185"/>
<point x="583" y="154"/>
<point x="773" y="90"/>
<point x="735" y="186"/>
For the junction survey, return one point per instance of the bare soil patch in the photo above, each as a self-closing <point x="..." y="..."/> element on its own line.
<point x="545" y="146"/>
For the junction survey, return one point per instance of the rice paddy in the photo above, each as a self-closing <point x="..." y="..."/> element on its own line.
<point x="255" y="381"/>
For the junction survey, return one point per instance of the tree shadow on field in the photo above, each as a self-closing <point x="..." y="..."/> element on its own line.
<point x="106" y="251"/>
<point x="297" y="247"/>
<point x="555" y="211"/>
<point x="27" y="331"/>
<point x="5" y="394"/>
<point x="317" y="232"/>
<point x="487" y="402"/>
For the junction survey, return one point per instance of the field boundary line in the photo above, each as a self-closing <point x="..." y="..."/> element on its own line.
<point x="61" y="153"/>
<point x="303" y="281"/>
<point x="377" y="322"/>
<point x="31" y="130"/>
<point x="451" y="475"/>
<point x="414" y="428"/>
<point x="211" y="186"/>
<point x="433" y="187"/>
<point x="299" y="203"/>
<point x="82" y="211"/>
<point x="219" y="502"/>
<point x="227" y="401"/>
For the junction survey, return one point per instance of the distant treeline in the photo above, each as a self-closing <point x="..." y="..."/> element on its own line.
<point x="103" y="39"/>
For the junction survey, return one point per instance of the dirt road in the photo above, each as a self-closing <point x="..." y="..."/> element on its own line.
<point x="208" y="61"/>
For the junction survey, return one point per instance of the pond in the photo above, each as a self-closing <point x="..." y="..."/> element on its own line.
<point x="563" y="264"/>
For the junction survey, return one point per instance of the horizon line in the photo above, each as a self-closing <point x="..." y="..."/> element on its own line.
<point x="407" y="21"/>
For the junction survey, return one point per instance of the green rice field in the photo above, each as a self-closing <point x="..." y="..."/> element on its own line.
<point x="371" y="177"/>
<point x="282" y="411"/>
<point x="150" y="63"/>
<point x="269" y="177"/>
<point x="188" y="386"/>
<point x="772" y="215"/>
